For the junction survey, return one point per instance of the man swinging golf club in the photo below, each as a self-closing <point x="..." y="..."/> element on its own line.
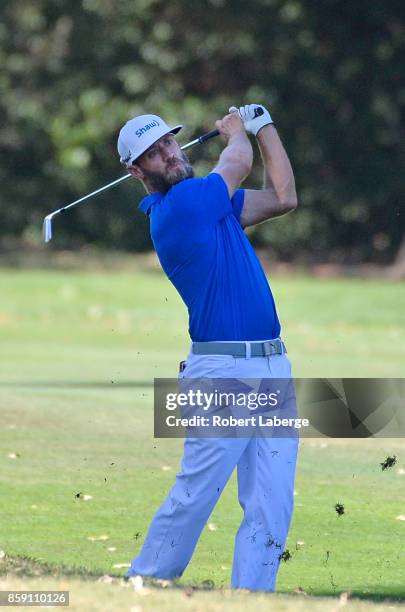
<point x="197" y="227"/>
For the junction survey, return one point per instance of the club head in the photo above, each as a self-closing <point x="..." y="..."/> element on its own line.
<point x="47" y="228"/>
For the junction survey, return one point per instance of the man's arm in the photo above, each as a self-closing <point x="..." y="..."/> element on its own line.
<point x="235" y="161"/>
<point x="278" y="195"/>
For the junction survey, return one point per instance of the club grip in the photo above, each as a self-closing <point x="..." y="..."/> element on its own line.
<point x="208" y="135"/>
<point x="258" y="112"/>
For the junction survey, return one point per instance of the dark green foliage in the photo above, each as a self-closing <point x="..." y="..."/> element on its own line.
<point x="330" y="72"/>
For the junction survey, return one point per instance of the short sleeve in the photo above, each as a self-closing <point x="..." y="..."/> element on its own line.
<point x="147" y="202"/>
<point x="237" y="203"/>
<point x="205" y="198"/>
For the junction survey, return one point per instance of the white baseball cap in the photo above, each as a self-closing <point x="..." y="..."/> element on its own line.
<point x="139" y="133"/>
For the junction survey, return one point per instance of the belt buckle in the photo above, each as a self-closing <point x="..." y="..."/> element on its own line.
<point x="267" y="348"/>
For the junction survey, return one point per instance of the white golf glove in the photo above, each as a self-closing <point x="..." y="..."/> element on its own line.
<point x="252" y="122"/>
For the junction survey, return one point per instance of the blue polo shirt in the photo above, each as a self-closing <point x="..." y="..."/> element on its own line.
<point x="195" y="228"/>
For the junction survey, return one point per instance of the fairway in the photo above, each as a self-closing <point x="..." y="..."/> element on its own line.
<point x="80" y="472"/>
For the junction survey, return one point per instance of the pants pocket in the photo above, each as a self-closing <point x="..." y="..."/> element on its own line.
<point x="209" y="366"/>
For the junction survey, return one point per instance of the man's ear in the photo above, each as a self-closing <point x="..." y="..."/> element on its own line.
<point x="136" y="171"/>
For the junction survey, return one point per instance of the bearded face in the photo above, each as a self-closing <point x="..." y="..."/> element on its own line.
<point x="162" y="165"/>
<point x="175" y="169"/>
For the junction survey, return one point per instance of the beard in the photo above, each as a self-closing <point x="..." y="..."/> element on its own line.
<point x="177" y="170"/>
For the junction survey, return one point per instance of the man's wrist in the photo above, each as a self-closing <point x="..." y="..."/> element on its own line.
<point x="267" y="129"/>
<point x="241" y="136"/>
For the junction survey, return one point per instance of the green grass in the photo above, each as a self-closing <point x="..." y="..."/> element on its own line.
<point x="78" y="355"/>
<point x="127" y="327"/>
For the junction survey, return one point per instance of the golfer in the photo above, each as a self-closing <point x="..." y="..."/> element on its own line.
<point x="197" y="228"/>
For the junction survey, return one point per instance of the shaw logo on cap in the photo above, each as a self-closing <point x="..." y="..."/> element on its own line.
<point x="146" y="128"/>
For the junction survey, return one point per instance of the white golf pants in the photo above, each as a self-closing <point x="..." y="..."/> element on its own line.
<point x="265" y="471"/>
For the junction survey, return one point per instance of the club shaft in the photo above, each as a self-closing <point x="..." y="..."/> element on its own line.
<point x="48" y="218"/>
<point x="93" y="193"/>
<point x="199" y="140"/>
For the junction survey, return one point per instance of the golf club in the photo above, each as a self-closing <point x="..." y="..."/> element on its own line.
<point x="47" y="225"/>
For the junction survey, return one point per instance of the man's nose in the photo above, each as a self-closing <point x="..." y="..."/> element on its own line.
<point x="166" y="153"/>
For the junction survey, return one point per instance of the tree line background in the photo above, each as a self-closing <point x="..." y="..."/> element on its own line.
<point x="331" y="73"/>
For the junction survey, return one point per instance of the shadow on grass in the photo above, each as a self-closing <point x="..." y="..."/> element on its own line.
<point x="26" y="567"/>
<point x="373" y="594"/>
<point x="32" y="568"/>
<point x="60" y="384"/>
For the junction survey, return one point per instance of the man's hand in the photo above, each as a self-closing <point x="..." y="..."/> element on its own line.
<point x="231" y="125"/>
<point x="252" y="123"/>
